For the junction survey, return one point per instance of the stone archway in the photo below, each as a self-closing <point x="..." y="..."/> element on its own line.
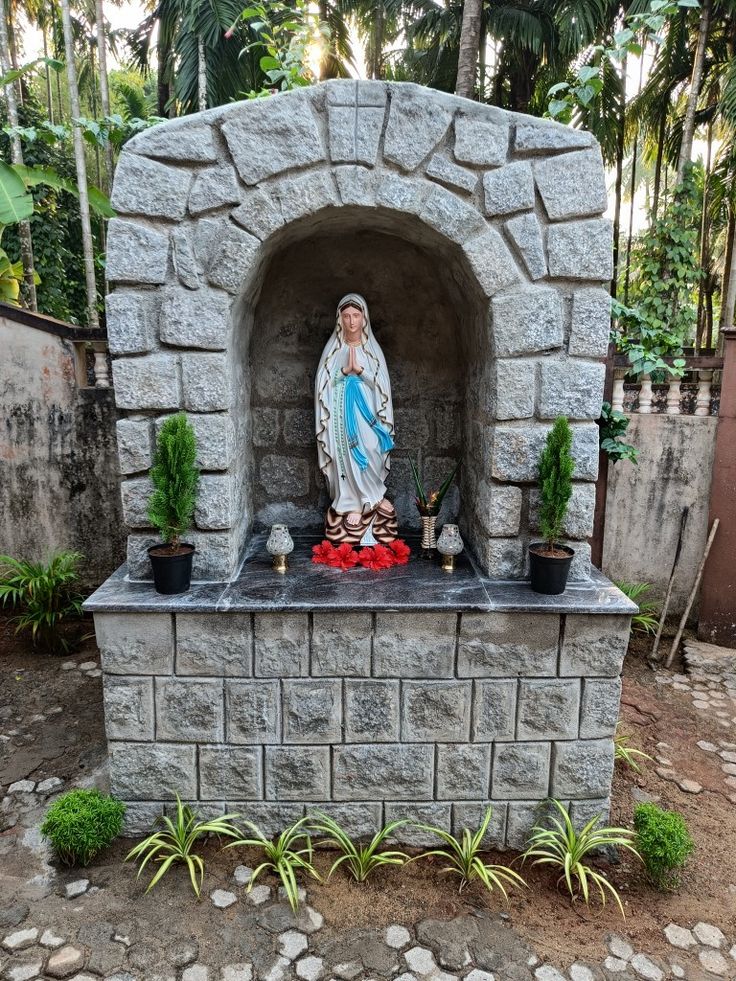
<point x="512" y="203"/>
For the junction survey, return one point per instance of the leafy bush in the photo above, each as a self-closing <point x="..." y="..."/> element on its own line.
<point x="46" y="596"/>
<point x="81" y="823"/>
<point x="556" y="467"/>
<point x="646" y="620"/>
<point x="283" y="856"/>
<point x="663" y="842"/>
<point x="359" y="861"/>
<point x="175" y="843"/>
<point x="464" y="856"/>
<point x="175" y="479"/>
<point x="611" y="427"/>
<point x="627" y="754"/>
<point x="562" y="847"/>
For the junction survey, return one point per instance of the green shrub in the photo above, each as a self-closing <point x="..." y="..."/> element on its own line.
<point x="175" y="479"/>
<point x="81" y="823"/>
<point x="45" y="596"/>
<point x="664" y="843"/>
<point x="556" y="467"/>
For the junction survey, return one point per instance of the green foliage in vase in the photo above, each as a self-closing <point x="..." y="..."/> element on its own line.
<point x="46" y="596"/>
<point x="566" y="849"/>
<point x="81" y="823"/>
<point x="646" y="620"/>
<point x="359" y="860"/>
<point x="624" y="753"/>
<point x="432" y="500"/>
<point x="176" y="842"/>
<point x="611" y="427"/>
<point x="556" y="466"/>
<point x="175" y="478"/>
<point x="465" y="857"/>
<point x="664" y="843"/>
<point x="290" y="852"/>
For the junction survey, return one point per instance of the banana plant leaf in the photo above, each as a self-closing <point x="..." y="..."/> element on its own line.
<point x="16" y="204"/>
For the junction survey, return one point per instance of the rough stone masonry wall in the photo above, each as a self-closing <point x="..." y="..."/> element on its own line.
<point x="371" y="716"/>
<point x="511" y="206"/>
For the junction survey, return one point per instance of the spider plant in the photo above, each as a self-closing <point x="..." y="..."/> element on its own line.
<point x="292" y="850"/>
<point x="432" y="501"/>
<point x="359" y="860"/>
<point x="627" y="754"/>
<point x="464" y="856"/>
<point x="646" y="620"/>
<point x="44" y="594"/>
<point x="175" y="843"/>
<point x="565" y="848"/>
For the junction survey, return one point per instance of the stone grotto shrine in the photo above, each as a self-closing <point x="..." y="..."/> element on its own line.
<point x="477" y="239"/>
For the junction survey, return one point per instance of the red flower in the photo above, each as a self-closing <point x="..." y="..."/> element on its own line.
<point x="322" y="553"/>
<point x="343" y="557"/>
<point x="383" y="557"/>
<point x="401" y="552"/>
<point x="365" y="557"/>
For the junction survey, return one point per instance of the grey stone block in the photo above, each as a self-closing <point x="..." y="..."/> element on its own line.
<point x="494" y="710"/>
<point x="355" y="133"/>
<point x="215" y="436"/>
<point x="548" y="709"/>
<point x="230" y="771"/>
<point x="214" y="187"/>
<point x="152" y="771"/>
<point x="216" y="556"/>
<point x="258" y="214"/>
<point x="372" y="711"/>
<point x="312" y="711"/>
<point x="266" y="426"/>
<point x="215" y="502"/>
<point x="214" y="644"/>
<point x="591" y="323"/>
<point x="266" y="138"/>
<point x="501" y="558"/>
<point x="299" y="427"/>
<point x="420" y="647"/>
<point x="582" y="769"/>
<point x="463" y="771"/>
<point x="599" y="709"/>
<point x="572" y="185"/>
<point x="356" y="185"/>
<point x="138" y="562"/>
<point x="522" y="817"/>
<point x="533" y="135"/>
<point x="594" y="645"/>
<point x="446" y="172"/>
<point x="450" y="215"/>
<point x="416" y="124"/>
<point x="481" y="142"/>
<point x="284" y="476"/>
<point x="509" y="189"/>
<point x="199" y="318"/>
<point x="134" y="445"/>
<point x="131" y="321"/>
<point x="436" y="815"/>
<point x="520" y="771"/>
<point x="581" y="249"/>
<point x="578" y="521"/>
<point x="252" y="711"/>
<point x="516" y="451"/>
<point x="128" y="708"/>
<point x="205" y="382"/>
<point x="581" y="811"/>
<point x="146" y="187"/>
<point x="304" y="195"/>
<point x="498" y="508"/>
<point x="470" y="815"/>
<point x="189" y="710"/>
<point x="378" y="772"/>
<point x="526" y="234"/>
<point x="297" y="773"/>
<point x="399" y="193"/>
<point x="149" y="382"/>
<point x="341" y="644"/>
<point x="281" y="645"/>
<point x="184" y="259"/>
<point x="135" y="253"/>
<point x="233" y="259"/>
<point x="135" y="495"/>
<point x="135" y="643"/>
<point x="571" y="388"/>
<point x="435" y="711"/>
<point x="498" y="645"/>
<point x="527" y="321"/>
<point x="358" y="820"/>
<point x="140" y="817"/>
<point x="270" y="818"/>
<point x="513" y="385"/>
<point x="179" y="139"/>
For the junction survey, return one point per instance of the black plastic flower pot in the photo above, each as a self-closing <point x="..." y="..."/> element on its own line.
<point x="172" y="571"/>
<point x="549" y="571"/>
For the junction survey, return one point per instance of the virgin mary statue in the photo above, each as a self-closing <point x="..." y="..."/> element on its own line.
<point x="355" y="425"/>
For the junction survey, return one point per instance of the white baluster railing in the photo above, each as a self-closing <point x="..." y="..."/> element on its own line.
<point x="674" y="395"/>
<point x="705" y="381"/>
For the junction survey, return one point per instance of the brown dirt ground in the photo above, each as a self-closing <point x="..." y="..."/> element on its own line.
<point x="73" y="741"/>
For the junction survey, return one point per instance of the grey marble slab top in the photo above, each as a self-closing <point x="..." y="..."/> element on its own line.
<point x="420" y="585"/>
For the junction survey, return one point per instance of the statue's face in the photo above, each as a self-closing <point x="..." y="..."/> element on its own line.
<point x="352" y="322"/>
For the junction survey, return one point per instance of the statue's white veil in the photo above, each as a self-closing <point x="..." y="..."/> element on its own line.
<point x="326" y="451"/>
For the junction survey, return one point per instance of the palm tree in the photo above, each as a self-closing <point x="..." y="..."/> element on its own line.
<point x="470" y="34"/>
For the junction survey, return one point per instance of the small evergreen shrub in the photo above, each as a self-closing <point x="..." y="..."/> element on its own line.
<point x="175" y="479"/>
<point x="663" y="842"/>
<point x="556" y="467"/>
<point x="81" y="824"/>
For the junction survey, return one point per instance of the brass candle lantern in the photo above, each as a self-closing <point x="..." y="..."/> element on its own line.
<point x="449" y="544"/>
<point x="280" y="545"/>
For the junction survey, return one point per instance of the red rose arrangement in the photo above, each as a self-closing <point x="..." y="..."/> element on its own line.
<point x="374" y="557"/>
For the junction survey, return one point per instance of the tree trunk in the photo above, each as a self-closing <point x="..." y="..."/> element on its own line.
<point x="630" y="236"/>
<point x="658" y="166"/>
<point x="81" y="167"/>
<point x="704" y="245"/>
<point x="620" y="144"/>
<point x="482" y="62"/>
<point x="201" y="74"/>
<point x="688" y="125"/>
<point x="469" y="43"/>
<point x="728" y="290"/>
<point x="104" y="87"/>
<point x="49" y="98"/>
<point x="376" y="52"/>
<point x="16" y="152"/>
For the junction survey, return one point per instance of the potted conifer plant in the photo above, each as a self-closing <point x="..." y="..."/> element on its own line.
<point x="171" y="507"/>
<point x="549" y="561"/>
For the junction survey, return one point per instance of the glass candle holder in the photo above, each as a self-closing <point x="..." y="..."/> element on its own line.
<point x="280" y="545"/>
<point x="449" y="544"/>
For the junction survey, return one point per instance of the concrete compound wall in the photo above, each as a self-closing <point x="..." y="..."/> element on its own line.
<point x="58" y="457"/>
<point x="645" y="502"/>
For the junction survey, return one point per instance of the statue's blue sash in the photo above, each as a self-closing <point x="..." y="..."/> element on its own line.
<point x="355" y="405"/>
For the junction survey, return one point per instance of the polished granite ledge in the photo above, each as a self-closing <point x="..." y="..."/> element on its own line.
<point x="420" y="585"/>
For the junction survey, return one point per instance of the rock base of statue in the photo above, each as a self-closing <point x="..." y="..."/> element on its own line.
<point x="384" y="528"/>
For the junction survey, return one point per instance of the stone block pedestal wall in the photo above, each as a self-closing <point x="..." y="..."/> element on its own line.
<point x="370" y="716"/>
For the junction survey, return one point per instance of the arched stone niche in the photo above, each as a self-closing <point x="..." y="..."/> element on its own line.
<point x="239" y="228"/>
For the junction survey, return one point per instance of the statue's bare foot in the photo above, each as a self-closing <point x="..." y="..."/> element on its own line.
<point x="354" y="519"/>
<point x="386" y="507"/>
